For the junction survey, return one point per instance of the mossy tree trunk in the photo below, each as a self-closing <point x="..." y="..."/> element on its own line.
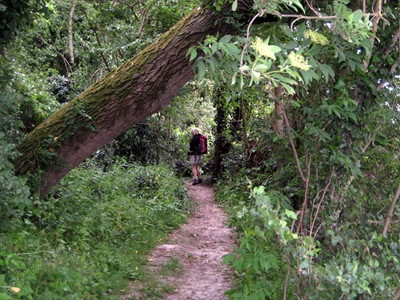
<point x="132" y="92"/>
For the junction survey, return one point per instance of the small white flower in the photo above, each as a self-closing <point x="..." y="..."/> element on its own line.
<point x="264" y="49"/>
<point x="298" y="61"/>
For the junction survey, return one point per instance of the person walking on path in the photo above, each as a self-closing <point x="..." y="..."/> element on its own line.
<point x="195" y="155"/>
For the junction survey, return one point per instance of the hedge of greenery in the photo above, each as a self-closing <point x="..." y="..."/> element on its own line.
<point x="88" y="239"/>
<point x="342" y="257"/>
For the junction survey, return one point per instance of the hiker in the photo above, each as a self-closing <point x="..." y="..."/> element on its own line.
<point x="195" y="155"/>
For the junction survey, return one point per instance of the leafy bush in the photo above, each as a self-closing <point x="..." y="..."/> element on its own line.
<point x="89" y="237"/>
<point x="348" y="260"/>
<point x="14" y="194"/>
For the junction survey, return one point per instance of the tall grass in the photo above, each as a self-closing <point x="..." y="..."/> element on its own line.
<point x="88" y="239"/>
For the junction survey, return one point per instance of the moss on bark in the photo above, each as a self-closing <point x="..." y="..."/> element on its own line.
<point x="133" y="91"/>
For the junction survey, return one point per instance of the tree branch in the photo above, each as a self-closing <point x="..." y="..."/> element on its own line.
<point x="305" y="200"/>
<point x="296" y="156"/>
<point x="382" y="222"/>
<point x="70" y="37"/>
<point x="397" y="295"/>
<point x="325" y="190"/>
<point x="391" y="210"/>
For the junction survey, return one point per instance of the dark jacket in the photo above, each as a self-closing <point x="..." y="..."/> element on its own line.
<point x="194" y="145"/>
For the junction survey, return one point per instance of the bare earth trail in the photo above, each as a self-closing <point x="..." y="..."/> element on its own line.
<point x="198" y="247"/>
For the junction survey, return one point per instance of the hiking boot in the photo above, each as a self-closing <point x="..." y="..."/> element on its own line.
<point x="200" y="181"/>
<point x="195" y="181"/>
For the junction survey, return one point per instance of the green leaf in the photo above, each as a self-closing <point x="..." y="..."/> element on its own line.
<point x="281" y="78"/>
<point x="4" y="296"/>
<point x="336" y="109"/>
<point x="233" y="49"/>
<point x="274" y="48"/>
<point x="288" y="88"/>
<point x="233" y="81"/>
<point x="326" y="71"/>
<point x="340" y="84"/>
<point x="296" y="104"/>
<point x="211" y="64"/>
<point x="382" y="138"/>
<point x="234" y="5"/>
<point x="214" y="48"/>
<point x="357" y="16"/>
<point x="244" y="68"/>
<point x="298" y="4"/>
<point x="225" y="39"/>
<point x="290" y="214"/>
<point x="201" y="69"/>
<point x="309" y="75"/>
<point x="352" y="116"/>
<point x="351" y="64"/>
<point x="192" y="52"/>
<point x="227" y="259"/>
<point x="261" y="68"/>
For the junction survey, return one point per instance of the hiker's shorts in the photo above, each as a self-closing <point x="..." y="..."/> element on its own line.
<point x="195" y="159"/>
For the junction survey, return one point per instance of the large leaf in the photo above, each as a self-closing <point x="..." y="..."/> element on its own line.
<point x="326" y="71"/>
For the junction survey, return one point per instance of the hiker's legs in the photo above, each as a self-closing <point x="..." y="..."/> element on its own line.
<point x="198" y="171"/>
<point x="195" y="160"/>
<point x="195" y="174"/>
<point x="195" y="169"/>
<point x="198" y="175"/>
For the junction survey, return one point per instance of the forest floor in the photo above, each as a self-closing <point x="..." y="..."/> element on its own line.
<point x="189" y="263"/>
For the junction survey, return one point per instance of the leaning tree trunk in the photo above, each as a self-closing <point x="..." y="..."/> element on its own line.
<point x="132" y="92"/>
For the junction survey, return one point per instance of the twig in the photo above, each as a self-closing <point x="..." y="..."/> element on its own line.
<point x="316" y="231"/>
<point x="382" y="222"/>
<point x="325" y="190"/>
<point x="390" y="212"/>
<point x="287" y="278"/>
<point x="293" y="145"/>
<point x="397" y="295"/>
<point x="305" y="200"/>
<point x="260" y="14"/>
<point x="313" y="9"/>
<point x="301" y="17"/>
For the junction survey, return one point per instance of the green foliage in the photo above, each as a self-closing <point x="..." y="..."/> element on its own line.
<point x="15" y="16"/>
<point x="272" y="260"/>
<point x="324" y="240"/>
<point x="85" y="240"/>
<point x="89" y="237"/>
<point x="14" y="193"/>
<point x="256" y="64"/>
<point x="257" y="260"/>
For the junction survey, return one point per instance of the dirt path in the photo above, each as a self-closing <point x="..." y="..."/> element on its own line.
<point x="194" y="252"/>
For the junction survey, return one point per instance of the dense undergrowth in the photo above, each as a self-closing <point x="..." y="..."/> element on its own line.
<point x="339" y="253"/>
<point x="87" y="240"/>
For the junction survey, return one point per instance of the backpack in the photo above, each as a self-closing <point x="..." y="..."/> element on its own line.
<point x="203" y="144"/>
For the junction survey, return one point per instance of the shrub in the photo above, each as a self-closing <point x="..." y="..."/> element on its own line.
<point x="88" y="238"/>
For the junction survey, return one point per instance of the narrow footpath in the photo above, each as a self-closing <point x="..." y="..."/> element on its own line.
<point x="197" y="247"/>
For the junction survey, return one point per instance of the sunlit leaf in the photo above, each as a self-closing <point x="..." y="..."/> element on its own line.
<point x="234" y="5"/>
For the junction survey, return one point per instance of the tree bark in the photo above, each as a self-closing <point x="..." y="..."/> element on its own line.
<point x="278" y="116"/>
<point x="129" y="94"/>
<point x="221" y="144"/>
